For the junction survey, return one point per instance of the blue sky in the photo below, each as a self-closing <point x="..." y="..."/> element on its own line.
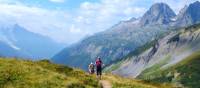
<point x="68" y="21"/>
<point x="55" y="4"/>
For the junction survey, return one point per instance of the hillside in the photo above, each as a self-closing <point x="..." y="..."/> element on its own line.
<point x="26" y="43"/>
<point x="168" y="50"/>
<point x="10" y="51"/>
<point x="116" y="64"/>
<point x="185" y="73"/>
<point x="15" y="73"/>
<point x="170" y="59"/>
<point x="120" y="82"/>
<point x="42" y="74"/>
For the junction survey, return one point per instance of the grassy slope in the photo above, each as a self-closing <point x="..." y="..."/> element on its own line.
<point x="16" y="73"/>
<point x="153" y="69"/>
<point x="42" y="74"/>
<point x="186" y="73"/>
<point x="119" y="82"/>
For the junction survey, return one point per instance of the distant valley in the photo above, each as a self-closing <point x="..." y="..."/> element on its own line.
<point x="16" y="41"/>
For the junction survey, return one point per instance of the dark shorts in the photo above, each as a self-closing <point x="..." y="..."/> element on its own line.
<point x="99" y="70"/>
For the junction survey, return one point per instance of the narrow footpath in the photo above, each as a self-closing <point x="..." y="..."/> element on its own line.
<point x="105" y="84"/>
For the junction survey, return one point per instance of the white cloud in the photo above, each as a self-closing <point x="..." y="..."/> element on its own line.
<point x="95" y="17"/>
<point x="70" y="27"/>
<point x="57" y="1"/>
<point x="46" y="22"/>
<point x="89" y="18"/>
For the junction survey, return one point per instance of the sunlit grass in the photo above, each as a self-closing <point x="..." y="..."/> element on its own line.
<point x="42" y="74"/>
<point x="120" y="82"/>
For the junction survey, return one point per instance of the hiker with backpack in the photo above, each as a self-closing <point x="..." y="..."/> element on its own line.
<point x="91" y="68"/>
<point x="98" y="67"/>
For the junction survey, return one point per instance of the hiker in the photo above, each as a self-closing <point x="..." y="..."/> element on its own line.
<point x="91" y="68"/>
<point x="98" y="67"/>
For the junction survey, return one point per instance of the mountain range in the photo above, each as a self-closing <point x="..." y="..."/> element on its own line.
<point x="16" y="41"/>
<point x="123" y="38"/>
<point x="171" y="59"/>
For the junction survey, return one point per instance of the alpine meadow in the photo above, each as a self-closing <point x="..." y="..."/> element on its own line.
<point x="99" y="43"/>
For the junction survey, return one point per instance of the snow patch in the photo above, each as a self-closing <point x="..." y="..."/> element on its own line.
<point x="136" y="21"/>
<point x="173" y="19"/>
<point x="13" y="46"/>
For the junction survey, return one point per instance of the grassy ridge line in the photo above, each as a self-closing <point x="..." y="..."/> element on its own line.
<point x="42" y="74"/>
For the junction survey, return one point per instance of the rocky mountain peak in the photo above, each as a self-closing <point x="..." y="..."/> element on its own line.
<point x="194" y="11"/>
<point x="159" y="13"/>
<point x="189" y="15"/>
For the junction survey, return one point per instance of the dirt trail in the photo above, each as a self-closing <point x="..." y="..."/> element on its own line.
<point x="105" y="84"/>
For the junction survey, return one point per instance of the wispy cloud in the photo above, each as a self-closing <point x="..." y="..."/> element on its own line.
<point x="47" y="22"/>
<point x="87" y="19"/>
<point x="70" y="27"/>
<point x="95" y="17"/>
<point x="57" y="1"/>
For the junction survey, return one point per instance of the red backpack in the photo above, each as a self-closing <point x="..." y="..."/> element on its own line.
<point x="98" y="62"/>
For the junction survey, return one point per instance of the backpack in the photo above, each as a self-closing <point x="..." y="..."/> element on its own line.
<point x="98" y="63"/>
<point x="91" y="66"/>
